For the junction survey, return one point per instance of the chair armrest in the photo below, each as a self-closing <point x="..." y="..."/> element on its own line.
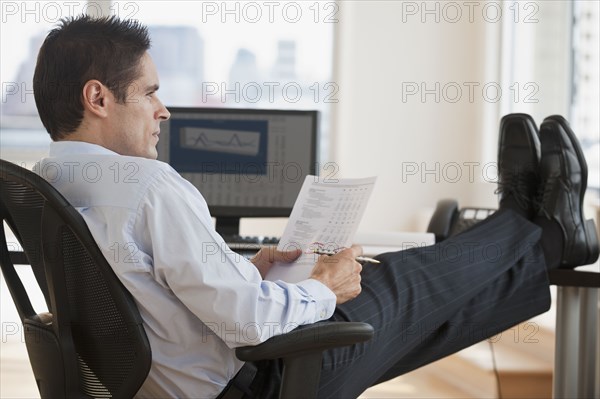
<point x="302" y="350"/>
<point x="315" y="337"/>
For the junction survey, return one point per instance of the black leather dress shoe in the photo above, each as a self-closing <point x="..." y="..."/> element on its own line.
<point x="563" y="173"/>
<point x="518" y="163"/>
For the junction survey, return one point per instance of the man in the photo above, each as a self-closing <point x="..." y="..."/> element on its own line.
<point x="95" y="88"/>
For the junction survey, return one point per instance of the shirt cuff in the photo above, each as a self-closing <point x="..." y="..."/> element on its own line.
<point x="323" y="296"/>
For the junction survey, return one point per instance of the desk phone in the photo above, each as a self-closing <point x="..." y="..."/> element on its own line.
<point x="448" y="220"/>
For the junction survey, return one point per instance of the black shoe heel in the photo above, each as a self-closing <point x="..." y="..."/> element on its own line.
<point x="564" y="124"/>
<point x="592" y="240"/>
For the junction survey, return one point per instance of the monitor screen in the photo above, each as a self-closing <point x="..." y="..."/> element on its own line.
<point x="245" y="162"/>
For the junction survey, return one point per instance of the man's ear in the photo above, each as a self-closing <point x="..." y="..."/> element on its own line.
<point x="95" y="98"/>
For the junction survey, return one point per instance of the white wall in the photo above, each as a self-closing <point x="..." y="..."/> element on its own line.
<point x="376" y="132"/>
<point x="383" y="47"/>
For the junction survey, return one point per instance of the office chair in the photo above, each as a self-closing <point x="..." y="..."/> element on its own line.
<point x="91" y="342"/>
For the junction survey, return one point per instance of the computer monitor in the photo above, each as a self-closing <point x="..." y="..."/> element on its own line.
<point x="245" y="162"/>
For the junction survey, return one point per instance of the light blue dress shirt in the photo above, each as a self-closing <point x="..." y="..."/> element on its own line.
<point x="198" y="299"/>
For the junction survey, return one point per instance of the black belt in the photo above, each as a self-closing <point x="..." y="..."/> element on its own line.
<point x="240" y="384"/>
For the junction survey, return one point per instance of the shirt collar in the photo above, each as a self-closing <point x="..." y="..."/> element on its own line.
<point x="65" y="147"/>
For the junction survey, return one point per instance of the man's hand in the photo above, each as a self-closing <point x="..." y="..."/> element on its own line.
<point x="264" y="259"/>
<point x="340" y="273"/>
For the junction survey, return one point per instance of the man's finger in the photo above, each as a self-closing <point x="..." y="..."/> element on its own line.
<point x="287" y="256"/>
<point x="353" y="251"/>
<point x="358" y="249"/>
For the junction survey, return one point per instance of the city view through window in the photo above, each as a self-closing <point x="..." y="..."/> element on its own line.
<point x="586" y="84"/>
<point x="208" y="54"/>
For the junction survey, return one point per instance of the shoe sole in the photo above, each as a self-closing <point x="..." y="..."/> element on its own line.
<point x="526" y="124"/>
<point x="522" y="118"/>
<point x="588" y="225"/>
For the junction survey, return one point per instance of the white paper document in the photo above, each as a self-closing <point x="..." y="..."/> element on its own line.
<point x="325" y="216"/>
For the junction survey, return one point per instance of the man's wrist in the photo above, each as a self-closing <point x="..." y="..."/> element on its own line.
<point x="323" y="296"/>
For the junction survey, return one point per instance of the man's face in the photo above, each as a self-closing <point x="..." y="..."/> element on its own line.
<point x="134" y="124"/>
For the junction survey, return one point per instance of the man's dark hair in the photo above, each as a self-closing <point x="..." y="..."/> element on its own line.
<point x="80" y="49"/>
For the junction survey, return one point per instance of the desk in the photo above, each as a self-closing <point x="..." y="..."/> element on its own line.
<point x="577" y="344"/>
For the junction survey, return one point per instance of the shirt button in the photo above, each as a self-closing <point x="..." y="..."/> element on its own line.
<point x="323" y="313"/>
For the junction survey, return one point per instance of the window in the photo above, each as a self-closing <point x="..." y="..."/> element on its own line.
<point x="550" y="51"/>
<point x="23" y="139"/>
<point x="585" y="100"/>
<point x="208" y="54"/>
<point x="244" y="54"/>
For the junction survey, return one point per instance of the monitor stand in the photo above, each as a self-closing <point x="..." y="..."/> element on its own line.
<point x="228" y="225"/>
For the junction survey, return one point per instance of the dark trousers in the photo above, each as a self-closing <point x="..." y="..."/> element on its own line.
<point x="427" y="303"/>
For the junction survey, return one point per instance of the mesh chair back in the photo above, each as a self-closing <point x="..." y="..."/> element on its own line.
<point x="92" y="342"/>
<point x="26" y="211"/>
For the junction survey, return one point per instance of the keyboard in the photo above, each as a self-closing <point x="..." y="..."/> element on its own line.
<point x="468" y="217"/>
<point x="249" y="243"/>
